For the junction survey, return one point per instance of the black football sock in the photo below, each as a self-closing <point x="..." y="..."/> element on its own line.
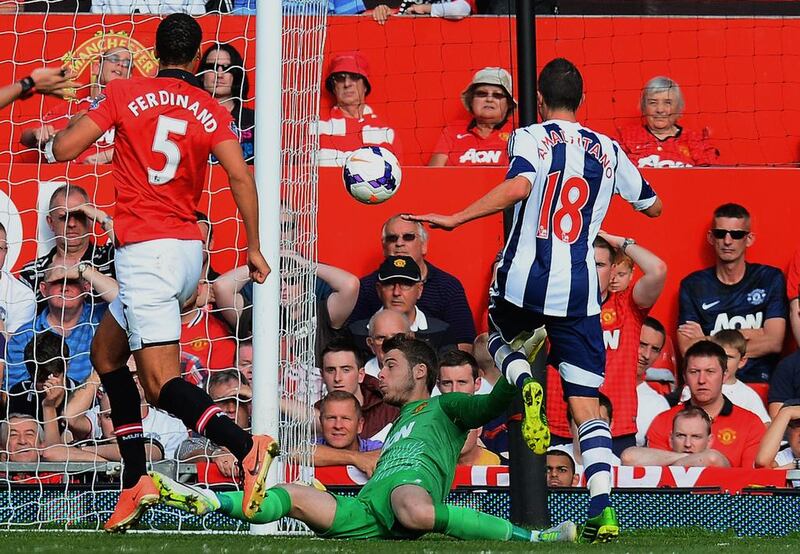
<point x="197" y="411"/>
<point x="126" y="416"/>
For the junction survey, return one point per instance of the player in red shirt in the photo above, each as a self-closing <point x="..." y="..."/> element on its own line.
<point x="621" y="316"/>
<point x="166" y="127"/>
<point x="737" y="432"/>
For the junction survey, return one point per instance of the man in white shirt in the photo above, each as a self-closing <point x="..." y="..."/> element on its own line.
<point x="650" y="403"/>
<point x="17" y="301"/>
<point x="786" y="424"/>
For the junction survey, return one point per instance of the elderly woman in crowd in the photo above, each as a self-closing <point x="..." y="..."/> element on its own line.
<point x="660" y="141"/>
<point x="352" y="122"/>
<point x="222" y="74"/>
<point x="483" y="139"/>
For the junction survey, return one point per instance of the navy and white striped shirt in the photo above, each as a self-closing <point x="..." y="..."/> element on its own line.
<point x="548" y="261"/>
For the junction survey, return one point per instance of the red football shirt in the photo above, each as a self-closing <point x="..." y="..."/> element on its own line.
<point x="165" y="129"/>
<point x="686" y="149"/>
<point x="621" y="320"/>
<point x="207" y="338"/>
<point x="464" y="146"/>
<point x="737" y="433"/>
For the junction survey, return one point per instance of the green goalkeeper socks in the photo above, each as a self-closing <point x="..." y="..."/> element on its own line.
<point x="275" y="506"/>
<point x="468" y="524"/>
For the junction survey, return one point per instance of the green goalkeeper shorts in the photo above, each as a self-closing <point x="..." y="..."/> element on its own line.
<point x="369" y="515"/>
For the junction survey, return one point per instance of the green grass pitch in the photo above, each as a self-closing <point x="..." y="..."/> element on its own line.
<point x="681" y="541"/>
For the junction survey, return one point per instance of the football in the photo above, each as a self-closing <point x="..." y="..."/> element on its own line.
<point x="372" y="174"/>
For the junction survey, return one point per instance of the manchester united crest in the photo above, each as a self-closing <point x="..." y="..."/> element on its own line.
<point x="726" y="436"/>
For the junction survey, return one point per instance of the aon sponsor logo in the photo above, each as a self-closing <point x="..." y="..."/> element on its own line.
<point x="473" y="156"/>
<point x="403" y="433"/>
<point x="611" y="339"/>
<point x="749" y="321"/>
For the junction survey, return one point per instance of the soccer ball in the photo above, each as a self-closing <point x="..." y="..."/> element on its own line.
<point x="372" y="174"/>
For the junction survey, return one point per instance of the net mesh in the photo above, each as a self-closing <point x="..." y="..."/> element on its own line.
<point x="65" y="440"/>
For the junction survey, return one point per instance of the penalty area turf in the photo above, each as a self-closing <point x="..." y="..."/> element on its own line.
<point x="680" y="541"/>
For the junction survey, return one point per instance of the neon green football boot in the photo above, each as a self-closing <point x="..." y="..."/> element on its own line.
<point x="600" y="528"/>
<point x="534" y="425"/>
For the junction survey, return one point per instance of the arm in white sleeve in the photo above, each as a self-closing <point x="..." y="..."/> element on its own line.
<point x="455" y="9"/>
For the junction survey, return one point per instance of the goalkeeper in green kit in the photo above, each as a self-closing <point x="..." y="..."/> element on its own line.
<point x="404" y="499"/>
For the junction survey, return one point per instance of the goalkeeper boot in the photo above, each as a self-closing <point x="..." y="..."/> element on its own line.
<point x="195" y="500"/>
<point x="534" y="425"/>
<point x="132" y="503"/>
<point x="601" y="528"/>
<point x="563" y="532"/>
<point x="529" y="343"/>
<point x="254" y="468"/>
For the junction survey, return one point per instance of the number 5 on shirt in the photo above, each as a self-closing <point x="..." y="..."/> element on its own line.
<point x="163" y="144"/>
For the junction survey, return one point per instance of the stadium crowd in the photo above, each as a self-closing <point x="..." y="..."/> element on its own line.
<point x="730" y="401"/>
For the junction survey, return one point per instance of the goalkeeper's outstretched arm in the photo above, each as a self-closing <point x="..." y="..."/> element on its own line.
<point x="472" y="411"/>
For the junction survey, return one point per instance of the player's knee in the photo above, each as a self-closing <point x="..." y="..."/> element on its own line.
<point x="152" y="390"/>
<point x="100" y="360"/>
<point x="414" y="515"/>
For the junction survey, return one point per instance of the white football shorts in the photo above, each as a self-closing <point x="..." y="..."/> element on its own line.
<point x="156" y="277"/>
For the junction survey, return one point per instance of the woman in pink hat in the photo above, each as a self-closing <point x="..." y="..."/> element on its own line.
<point x="483" y="139"/>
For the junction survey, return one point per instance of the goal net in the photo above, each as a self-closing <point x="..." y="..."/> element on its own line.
<point x="59" y="467"/>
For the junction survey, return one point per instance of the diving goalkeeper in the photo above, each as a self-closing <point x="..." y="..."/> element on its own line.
<point x="404" y="499"/>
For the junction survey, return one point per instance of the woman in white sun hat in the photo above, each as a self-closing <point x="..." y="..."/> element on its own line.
<point x="482" y="140"/>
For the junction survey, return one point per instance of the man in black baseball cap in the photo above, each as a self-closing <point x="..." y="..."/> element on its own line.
<point x="399" y="287"/>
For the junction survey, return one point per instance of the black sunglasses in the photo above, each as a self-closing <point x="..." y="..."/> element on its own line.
<point x="224" y="67"/>
<point x="736" y="234"/>
<point x="407" y="237"/>
<point x="340" y="76"/>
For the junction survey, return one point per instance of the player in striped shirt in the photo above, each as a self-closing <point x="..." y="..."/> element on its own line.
<point x="560" y="181"/>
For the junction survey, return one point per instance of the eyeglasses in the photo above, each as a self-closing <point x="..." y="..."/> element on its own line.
<point x="407" y="237"/>
<point x="342" y="75"/>
<point x="77" y="216"/>
<point x="217" y="67"/>
<point x="113" y="58"/>
<point x="486" y="94"/>
<point x="736" y="234"/>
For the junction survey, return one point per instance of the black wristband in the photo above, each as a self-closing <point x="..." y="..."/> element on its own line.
<point x="27" y="85"/>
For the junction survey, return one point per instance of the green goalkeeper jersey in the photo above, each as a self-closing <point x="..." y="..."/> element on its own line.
<point x="428" y="435"/>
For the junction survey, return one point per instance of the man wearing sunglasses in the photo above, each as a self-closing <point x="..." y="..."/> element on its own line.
<point x="114" y="63"/>
<point x="735" y="294"/>
<point x="352" y="123"/>
<point x="74" y="221"/>
<point x="443" y="295"/>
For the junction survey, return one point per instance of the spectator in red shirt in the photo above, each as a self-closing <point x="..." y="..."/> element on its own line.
<point x="114" y="63"/>
<point x="659" y="141"/>
<point x="352" y="123"/>
<point x="204" y="335"/>
<point x="622" y="314"/>
<point x="483" y="140"/>
<point x="737" y="432"/>
<point x="690" y="444"/>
